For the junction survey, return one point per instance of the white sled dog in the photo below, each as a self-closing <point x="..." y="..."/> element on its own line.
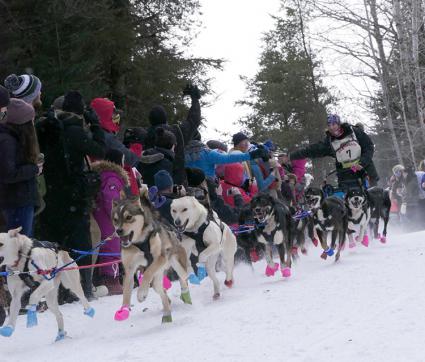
<point x="206" y="236"/>
<point x="20" y="254"/>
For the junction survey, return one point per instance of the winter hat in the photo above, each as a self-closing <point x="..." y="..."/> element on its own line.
<point x="163" y="180"/>
<point x="217" y="145"/>
<point x="396" y="168"/>
<point x="195" y="176"/>
<point x="164" y="139"/>
<point x="58" y="102"/>
<point x="269" y="145"/>
<point x="73" y="102"/>
<point x="105" y="110"/>
<point x="157" y="116"/>
<point x="19" y="112"/>
<point x="239" y="137"/>
<point x="134" y="135"/>
<point x="26" y="86"/>
<point x="334" y="119"/>
<point x="114" y="156"/>
<point x="4" y="97"/>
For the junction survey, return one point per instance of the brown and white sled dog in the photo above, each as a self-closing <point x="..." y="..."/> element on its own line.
<point x="205" y="236"/>
<point x="22" y="256"/>
<point x="148" y="242"/>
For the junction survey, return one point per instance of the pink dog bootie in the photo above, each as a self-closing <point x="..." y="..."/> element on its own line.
<point x="270" y="271"/>
<point x="365" y="241"/>
<point x="383" y="239"/>
<point x="315" y="242"/>
<point x="122" y="314"/>
<point x="286" y="272"/>
<point x="352" y="244"/>
<point x="166" y="283"/>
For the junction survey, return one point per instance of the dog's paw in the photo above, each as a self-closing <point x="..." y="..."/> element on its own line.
<point x="6" y="331"/>
<point x="365" y="241"/>
<point x="383" y="239"/>
<point x="166" y="283"/>
<point x="32" y="316"/>
<point x="89" y="312"/>
<point x="270" y="271"/>
<point x="202" y="271"/>
<point x="254" y="255"/>
<point x="61" y="336"/>
<point x="286" y="272"/>
<point x="228" y="283"/>
<point x="324" y="255"/>
<point x="315" y="242"/>
<point x="142" y="293"/>
<point x="122" y="314"/>
<point x="216" y="296"/>
<point x="167" y="319"/>
<point x="330" y="252"/>
<point x="193" y="279"/>
<point x="186" y="298"/>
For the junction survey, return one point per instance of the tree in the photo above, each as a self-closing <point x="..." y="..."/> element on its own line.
<point x="287" y="97"/>
<point x="130" y="51"/>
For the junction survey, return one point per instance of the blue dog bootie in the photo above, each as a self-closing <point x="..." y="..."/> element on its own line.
<point x="193" y="279"/>
<point x="61" y="336"/>
<point x="6" y="331"/>
<point x="330" y="252"/>
<point x="202" y="271"/>
<point x="89" y="312"/>
<point x="32" y="316"/>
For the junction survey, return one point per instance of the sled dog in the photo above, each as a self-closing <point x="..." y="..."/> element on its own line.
<point x="274" y="226"/>
<point x="329" y="215"/>
<point x="204" y="235"/>
<point x="20" y="254"/>
<point x="149" y="242"/>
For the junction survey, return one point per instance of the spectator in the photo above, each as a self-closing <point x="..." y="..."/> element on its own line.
<point x="4" y="102"/>
<point x="113" y="182"/>
<point x="161" y="157"/>
<point x="26" y="87"/>
<point x="184" y="132"/>
<point x="232" y="186"/>
<point x="200" y="156"/>
<point x="18" y="166"/>
<point x="164" y="183"/>
<point x="65" y="144"/>
<point x="285" y="162"/>
<point x="109" y="119"/>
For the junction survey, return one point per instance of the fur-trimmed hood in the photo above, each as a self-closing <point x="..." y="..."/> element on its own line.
<point x="102" y="166"/>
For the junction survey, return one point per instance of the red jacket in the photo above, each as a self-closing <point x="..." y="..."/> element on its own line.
<point x="234" y="177"/>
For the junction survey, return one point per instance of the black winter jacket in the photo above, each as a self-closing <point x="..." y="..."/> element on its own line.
<point x="324" y="148"/>
<point x="150" y="165"/>
<point x="63" y="179"/>
<point x="184" y="132"/>
<point x="18" y="186"/>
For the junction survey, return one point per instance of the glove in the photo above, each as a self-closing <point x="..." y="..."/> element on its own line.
<point x="259" y="153"/>
<point x="90" y="117"/>
<point x="192" y="90"/>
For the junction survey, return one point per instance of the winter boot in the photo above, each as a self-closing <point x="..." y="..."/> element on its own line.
<point x="113" y="285"/>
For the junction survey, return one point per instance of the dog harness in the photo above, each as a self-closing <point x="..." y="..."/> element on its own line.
<point x="27" y="278"/>
<point x="198" y="236"/>
<point x="269" y="237"/>
<point x="145" y="247"/>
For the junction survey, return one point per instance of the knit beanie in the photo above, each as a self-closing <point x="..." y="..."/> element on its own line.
<point x="164" y="139"/>
<point x="195" y="176"/>
<point x="73" y="102"/>
<point x="239" y="137"/>
<point x="26" y="86"/>
<point x="217" y="145"/>
<point x="134" y="135"/>
<point x="105" y="109"/>
<point x="114" y="156"/>
<point x="58" y="103"/>
<point x="19" y="112"/>
<point x="157" y="116"/>
<point x="4" y="97"/>
<point x="163" y="180"/>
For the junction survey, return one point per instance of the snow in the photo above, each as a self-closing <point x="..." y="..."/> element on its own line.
<point x="368" y="307"/>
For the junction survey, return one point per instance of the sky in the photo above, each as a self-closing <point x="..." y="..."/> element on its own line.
<point x="233" y="30"/>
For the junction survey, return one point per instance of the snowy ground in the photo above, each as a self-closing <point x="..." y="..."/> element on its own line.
<point x="368" y="307"/>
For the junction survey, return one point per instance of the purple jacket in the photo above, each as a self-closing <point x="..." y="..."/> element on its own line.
<point x="113" y="180"/>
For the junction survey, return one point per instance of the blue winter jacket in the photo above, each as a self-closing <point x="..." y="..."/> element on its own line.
<point x="209" y="158"/>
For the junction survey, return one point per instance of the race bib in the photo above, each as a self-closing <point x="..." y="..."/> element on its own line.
<point x="347" y="149"/>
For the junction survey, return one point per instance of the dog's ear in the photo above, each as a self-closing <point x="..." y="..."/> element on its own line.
<point x="14" y="232"/>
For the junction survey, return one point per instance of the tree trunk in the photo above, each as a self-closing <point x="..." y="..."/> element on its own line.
<point x="382" y="68"/>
